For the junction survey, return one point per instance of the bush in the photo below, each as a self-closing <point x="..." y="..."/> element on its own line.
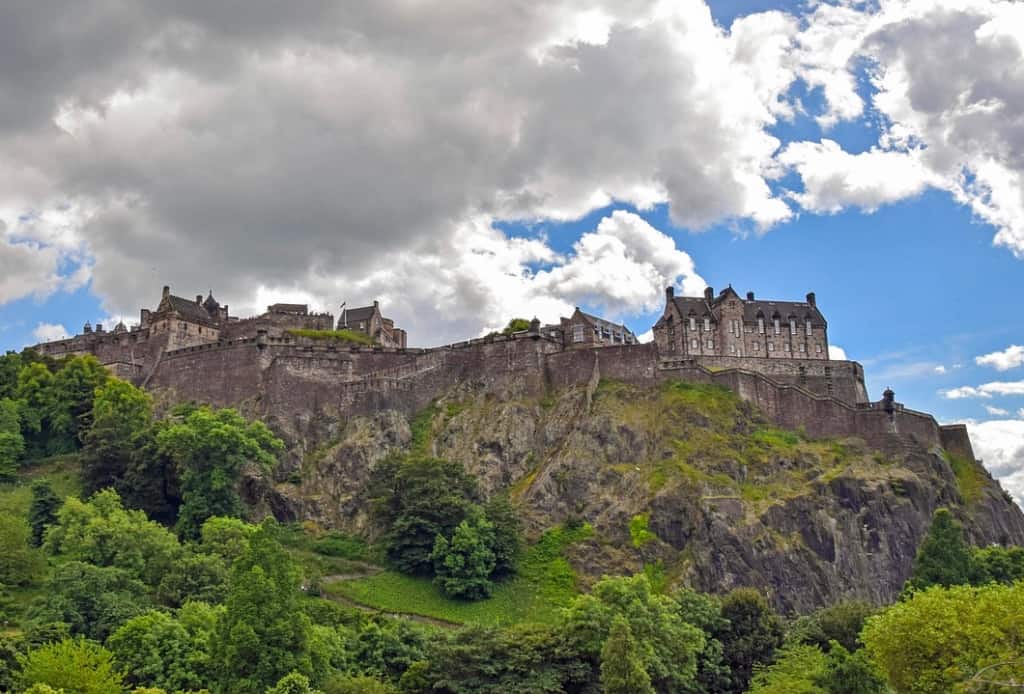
<point x="72" y="665"/>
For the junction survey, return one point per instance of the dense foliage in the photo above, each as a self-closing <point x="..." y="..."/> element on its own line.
<point x="150" y="580"/>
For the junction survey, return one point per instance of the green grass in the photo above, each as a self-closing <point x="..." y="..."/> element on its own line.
<point x="969" y="477"/>
<point x="545" y="583"/>
<point x="351" y="336"/>
<point x="324" y="554"/>
<point x="62" y="472"/>
<point x="639" y="531"/>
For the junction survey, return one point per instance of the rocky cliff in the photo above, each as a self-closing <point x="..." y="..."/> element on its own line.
<point x="685" y="479"/>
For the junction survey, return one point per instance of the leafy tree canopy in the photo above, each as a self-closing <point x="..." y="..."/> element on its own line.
<point x="75" y="666"/>
<point x="944" y="558"/>
<point x="154" y="649"/>
<point x="121" y="416"/>
<point x="750" y="635"/>
<point x="463" y="566"/>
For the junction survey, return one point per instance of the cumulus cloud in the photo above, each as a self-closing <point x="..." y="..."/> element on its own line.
<point x="986" y="390"/>
<point x="327" y="149"/>
<point x="837" y="352"/>
<point x="1009" y="358"/>
<point x="947" y="78"/>
<point x="1000" y="445"/>
<point x="46" y="332"/>
<point x="996" y="411"/>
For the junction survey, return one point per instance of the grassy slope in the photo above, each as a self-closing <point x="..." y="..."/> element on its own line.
<point x="352" y="336"/>
<point x="545" y="584"/>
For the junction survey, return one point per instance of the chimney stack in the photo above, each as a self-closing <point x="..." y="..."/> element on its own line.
<point x="199" y="299"/>
<point x="167" y="291"/>
<point x="811" y="299"/>
<point x="709" y="294"/>
<point x="670" y="293"/>
<point x="750" y="296"/>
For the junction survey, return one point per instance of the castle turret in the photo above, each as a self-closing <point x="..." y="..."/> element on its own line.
<point x="87" y="328"/>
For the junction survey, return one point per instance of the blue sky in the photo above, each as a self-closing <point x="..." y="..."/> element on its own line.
<point x="809" y="149"/>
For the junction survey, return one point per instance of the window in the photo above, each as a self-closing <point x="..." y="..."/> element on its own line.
<point x="807" y="327"/>
<point x="771" y="346"/>
<point x="792" y="326"/>
<point x="707" y="325"/>
<point x="760" y="326"/>
<point x="777" y="326"/>
<point x="785" y="346"/>
<point x="803" y="347"/>
<point x="817" y="349"/>
<point x="577" y="333"/>
<point x="732" y="349"/>
<point x="693" y="324"/>
<point x="694" y="343"/>
<point x="757" y="346"/>
<point x="711" y="344"/>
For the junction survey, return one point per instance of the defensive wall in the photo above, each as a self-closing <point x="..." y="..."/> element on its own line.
<point x="296" y="378"/>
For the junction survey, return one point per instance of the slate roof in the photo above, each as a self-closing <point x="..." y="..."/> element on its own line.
<point x="354" y="315"/>
<point x="700" y="306"/>
<point x="603" y="323"/>
<point x="187" y="309"/>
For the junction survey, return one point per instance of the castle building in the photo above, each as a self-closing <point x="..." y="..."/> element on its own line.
<point x="727" y="325"/>
<point x="583" y="330"/>
<point x="370" y="321"/>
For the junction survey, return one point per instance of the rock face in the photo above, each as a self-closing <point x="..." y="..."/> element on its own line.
<point x="683" y="478"/>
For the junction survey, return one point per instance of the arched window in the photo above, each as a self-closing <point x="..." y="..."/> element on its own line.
<point x="760" y="323"/>
<point x="777" y="324"/>
<point x="807" y="326"/>
<point x="792" y="325"/>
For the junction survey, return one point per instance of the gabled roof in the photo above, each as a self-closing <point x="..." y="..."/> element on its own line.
<point x="189" y="310"/>
<point x="699" y="306"/>
<point x="599" y="322"/>
<point x="354" y="315"/>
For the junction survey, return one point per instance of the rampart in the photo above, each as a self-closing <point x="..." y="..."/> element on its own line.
<point x="286" y="378"/>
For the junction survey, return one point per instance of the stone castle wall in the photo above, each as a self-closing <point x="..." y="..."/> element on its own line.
<point x="296" y="379"/>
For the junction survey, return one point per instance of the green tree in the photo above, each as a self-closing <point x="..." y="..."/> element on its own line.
<point x="841" y="622"/>
<point x="36" y="403"/>
<point x="851" y="673"/>
<point x="228" y="538"/>
<point x="516" y="325"/>
<point x="416" y="500"/>
<point x="74" y="387"/>
<point x="74" y="666"/>
<point x="385" y="648"/>
<point x="10" y="365"/>
<point x="102" y="532"/>
<point x="505" y="544"/>
<point x="797" y="670"/>
<point x="42" y="512"/>
<point x="150" y="481"/>
<point x="209" y="448"/>
<point x="667" y="645"/>
<point x="944" y="558"/>
<point x="264" y="635"/>
<point x="938" y="638"/>
<point x="93" y="601"/>
<point x="622" y="671"/>
<point x="20" y="563"/>
<point x="463" y="566"/>
<point x="121" y="416"/>
<point x="997" y="565"/>
<point x="194" y="576"/>
<point x="705" y="613"/>
<point x="750" y="635"/>
<point x="156" y="650"/>
<point x="12" y="443"/>
<point x="486" y="660"/>
<point x="293" y="683"/>
<point x="357" y="684"/>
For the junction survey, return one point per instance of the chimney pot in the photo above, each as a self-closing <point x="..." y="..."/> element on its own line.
<point x="669" y="293"/>
<point x="750" y="296"/>
<point x="167" y="291"/>
<point x="709" y="294"/>
<point x="811" y="299"/>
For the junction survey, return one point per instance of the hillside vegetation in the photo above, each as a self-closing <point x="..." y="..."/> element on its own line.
<point x="460" y="550"/>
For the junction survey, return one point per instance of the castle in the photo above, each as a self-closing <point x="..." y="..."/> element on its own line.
<point x="288" y="364"/>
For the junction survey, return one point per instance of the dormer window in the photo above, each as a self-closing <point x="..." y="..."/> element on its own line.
<point x="777" y="326"/>
<point x="707" y="325"/>
<point x="760" y="325"/>
<point x="792" y="326"/>
<point x="693" y="324"/>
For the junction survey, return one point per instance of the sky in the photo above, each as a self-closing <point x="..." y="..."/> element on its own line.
<point x="469" y="162"/>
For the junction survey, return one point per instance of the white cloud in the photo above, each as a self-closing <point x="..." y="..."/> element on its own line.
<point x="340" y="148"/>
<point x="986" y="390"/>
<point x="837" y="352"/>
<point x="948" y="76"/>
<point x="1000" y="445"/>
<point x="26" y="270"/>
<point x="45" y="332"/>
<point x="940" y="369"/>
<point x="996" y="411"/>
<point x="834" y="179"/>
<point x="1009" y="358"/>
